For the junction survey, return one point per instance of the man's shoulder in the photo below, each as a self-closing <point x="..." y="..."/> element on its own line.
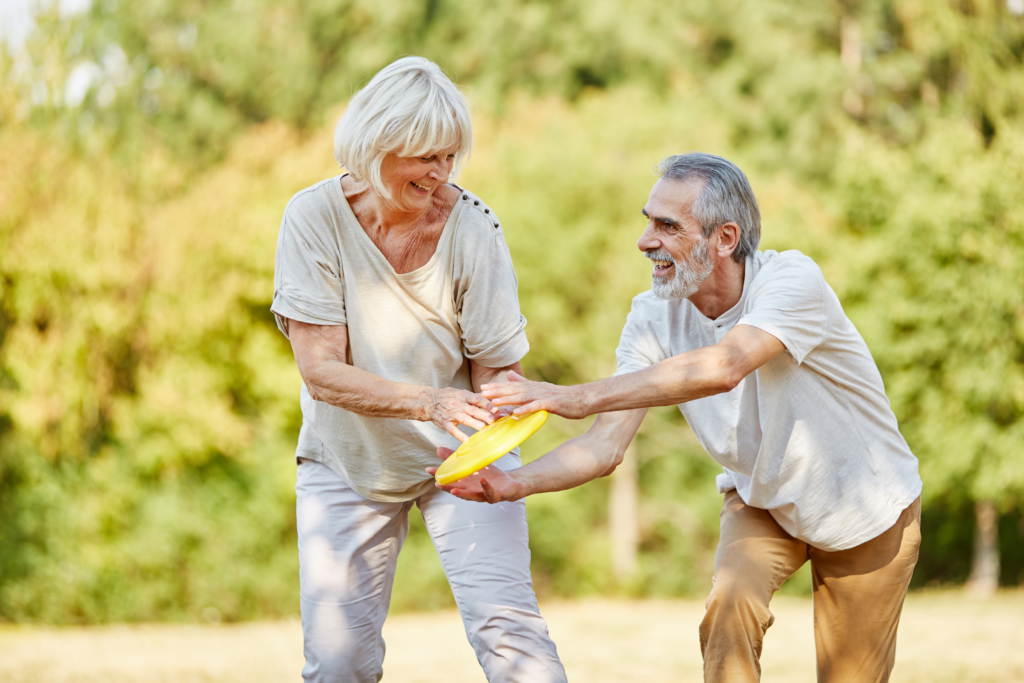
<point x="649" y="308"/>
<point x="645" y="301"/>
<point x="772" y="264"/>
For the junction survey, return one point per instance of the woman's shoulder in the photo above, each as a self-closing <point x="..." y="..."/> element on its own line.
<point x="318" y="198"/>
<point x="474" y="211"/>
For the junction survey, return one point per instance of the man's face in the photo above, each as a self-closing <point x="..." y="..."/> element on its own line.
<point x="680" y="256"/>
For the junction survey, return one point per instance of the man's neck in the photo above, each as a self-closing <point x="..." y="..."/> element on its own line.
<point x="722" y="290"/>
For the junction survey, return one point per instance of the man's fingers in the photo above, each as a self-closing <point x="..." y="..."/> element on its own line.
<point x="514" y="376"/>
<point x="490" y="495"/>
<point x="511" y="399"/>
<point x="463" y="494"/>
<point x="531" y="407"/>
<point x="443" y="452"/>
<point x="496" y="390"/>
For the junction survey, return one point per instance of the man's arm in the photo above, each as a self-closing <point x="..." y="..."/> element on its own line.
<point x="321" y="353"/>
<point x="594" y="454"/>
<point x="702" y="372"/>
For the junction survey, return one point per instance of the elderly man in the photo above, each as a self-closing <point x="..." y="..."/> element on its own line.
<point x="781" y="390"/>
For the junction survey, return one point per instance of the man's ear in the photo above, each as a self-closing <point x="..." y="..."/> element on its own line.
<point x="728" y="239"/>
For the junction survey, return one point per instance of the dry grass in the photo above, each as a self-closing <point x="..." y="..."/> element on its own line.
<point x="945" y="636"/>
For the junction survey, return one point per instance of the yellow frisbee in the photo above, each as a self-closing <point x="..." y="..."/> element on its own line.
<point x="489" y="444"/>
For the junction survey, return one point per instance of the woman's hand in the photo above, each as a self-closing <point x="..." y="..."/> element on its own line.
<point x="489" y="485"/>
<point x="448" y="408"/>
<point x="533" y="396"/>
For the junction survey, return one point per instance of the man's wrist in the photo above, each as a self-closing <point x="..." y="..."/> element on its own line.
<point x="584" y="399"/>
<point x="522" y="488"/>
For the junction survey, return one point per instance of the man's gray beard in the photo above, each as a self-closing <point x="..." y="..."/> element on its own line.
<point x="689" y="276"/>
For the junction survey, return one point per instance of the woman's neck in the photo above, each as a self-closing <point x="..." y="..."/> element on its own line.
<point x="407" y="239"/>
<point x="375" y="213"/>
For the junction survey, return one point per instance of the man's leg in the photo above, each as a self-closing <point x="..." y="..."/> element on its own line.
<point x="485" y="552"/>
<point x="858" y="598"/>
<point x="348" y="551"/>
<point x="754" y="557"/>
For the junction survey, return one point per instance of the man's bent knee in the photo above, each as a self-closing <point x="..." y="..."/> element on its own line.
<point x="737" y="611"/>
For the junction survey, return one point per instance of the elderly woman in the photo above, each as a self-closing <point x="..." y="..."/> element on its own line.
<point x="396" y="290"/>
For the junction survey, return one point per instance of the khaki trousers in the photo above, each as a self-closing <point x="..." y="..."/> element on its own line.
<point x="858" y="596"/>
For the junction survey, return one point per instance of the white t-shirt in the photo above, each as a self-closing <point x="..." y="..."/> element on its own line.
<point x="809" y="436"/>
<point x="419" y="328"/>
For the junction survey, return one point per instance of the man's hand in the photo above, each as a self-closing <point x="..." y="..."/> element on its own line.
<point x="489" y="485"/>
<point x="533" y="396"/>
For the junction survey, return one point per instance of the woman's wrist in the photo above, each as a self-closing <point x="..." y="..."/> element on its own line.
<point x="423" y="404"/>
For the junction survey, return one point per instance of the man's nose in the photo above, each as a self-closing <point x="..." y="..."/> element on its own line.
<point x="647" y="241"/>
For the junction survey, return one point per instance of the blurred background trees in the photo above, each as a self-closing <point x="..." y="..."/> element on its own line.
<point x="148" y="406"/>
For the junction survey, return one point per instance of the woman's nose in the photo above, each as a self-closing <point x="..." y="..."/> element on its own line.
<point x="440" y="172"/>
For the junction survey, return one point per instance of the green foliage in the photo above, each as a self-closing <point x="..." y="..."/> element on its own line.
<point x="148" y="406"/>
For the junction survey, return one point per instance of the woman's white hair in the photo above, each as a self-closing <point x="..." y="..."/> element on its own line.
<point x="410" y="108"/>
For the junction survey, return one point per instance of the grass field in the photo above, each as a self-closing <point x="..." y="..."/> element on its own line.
<point x="944" y="636"/>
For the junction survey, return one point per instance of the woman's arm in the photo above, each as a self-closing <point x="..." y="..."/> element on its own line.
<point x="481" y="374"/>
<point x="321" y="352"/>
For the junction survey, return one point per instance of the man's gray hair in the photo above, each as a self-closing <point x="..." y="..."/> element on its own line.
<point x="726" y="197"/>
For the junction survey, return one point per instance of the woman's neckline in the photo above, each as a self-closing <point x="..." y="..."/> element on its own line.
<point x="376" y="251"/>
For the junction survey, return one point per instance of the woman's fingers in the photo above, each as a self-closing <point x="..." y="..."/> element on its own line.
<point x="481" y="401"/>
<point x="470" y="422"/>
<point x="485" y="416"/>
<point x="453" y="429"/>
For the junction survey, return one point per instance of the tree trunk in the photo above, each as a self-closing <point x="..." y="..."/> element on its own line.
<point x="985" y="564"/>
<point x="849" y="43"/>
<point x="849" y="56"/>
<point x="623" y="512"/>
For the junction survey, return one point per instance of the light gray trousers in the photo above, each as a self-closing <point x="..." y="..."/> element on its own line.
<point x="348" y="551"/>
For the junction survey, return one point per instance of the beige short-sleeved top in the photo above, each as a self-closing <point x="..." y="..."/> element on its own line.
<point x="809" y="436"/>
<point x="419" y="327"/>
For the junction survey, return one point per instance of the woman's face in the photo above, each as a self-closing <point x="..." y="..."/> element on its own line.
<point x="412" y="181"/>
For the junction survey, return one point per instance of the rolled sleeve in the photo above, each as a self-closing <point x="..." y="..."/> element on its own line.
<point x="487" y="295"/>
<point x="308" y="277"/>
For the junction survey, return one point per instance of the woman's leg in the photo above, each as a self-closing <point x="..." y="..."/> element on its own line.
<point x="348" y="551"/>
<point x="485" y="552"/>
